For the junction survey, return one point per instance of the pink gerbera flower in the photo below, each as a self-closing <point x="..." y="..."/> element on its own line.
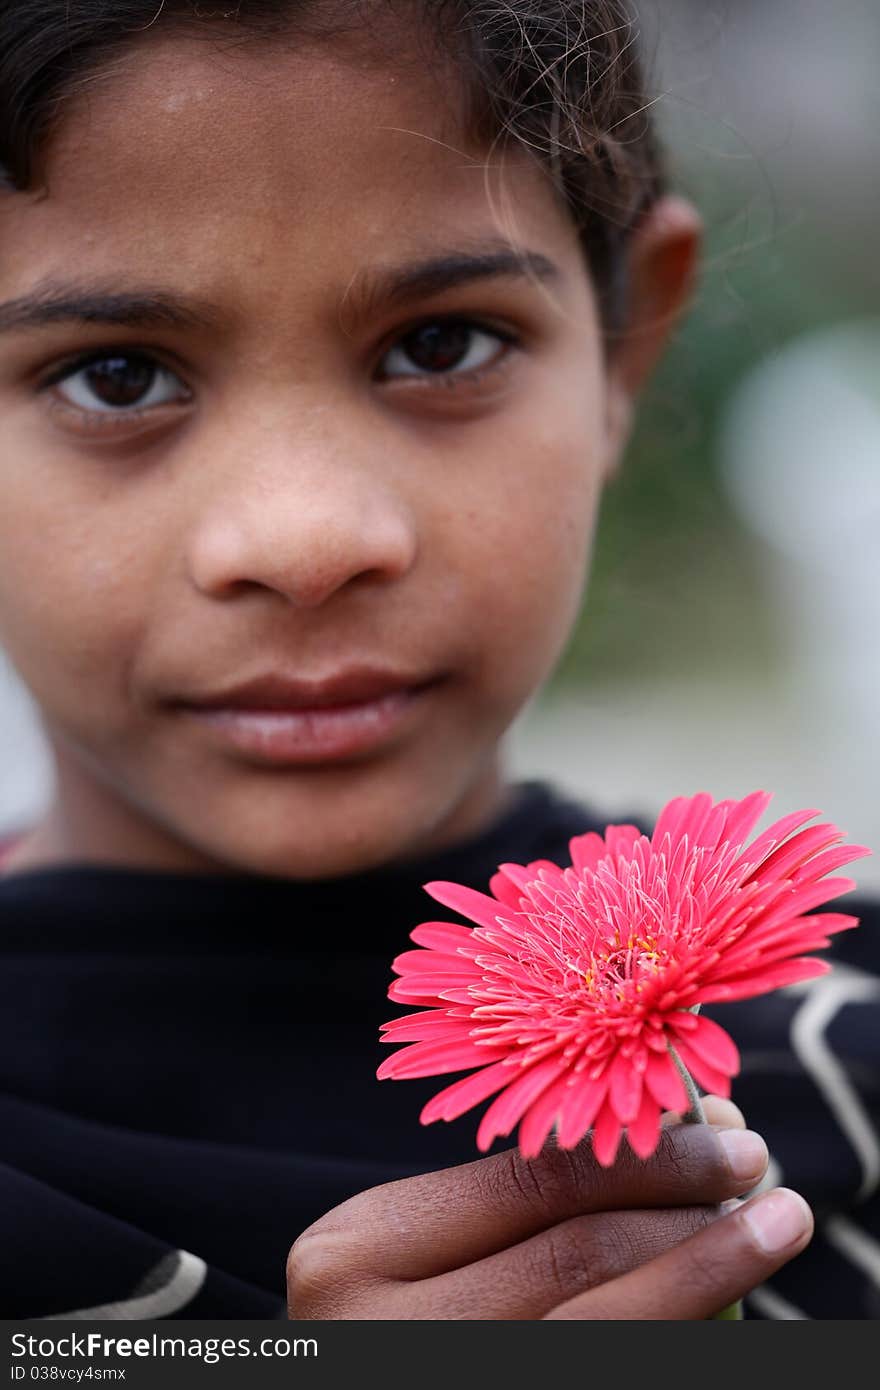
<point x="576" y="984"/>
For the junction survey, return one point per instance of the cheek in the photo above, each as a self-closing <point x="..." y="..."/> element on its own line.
<point x="70" y="596"/>
<point x="530" y="549"/>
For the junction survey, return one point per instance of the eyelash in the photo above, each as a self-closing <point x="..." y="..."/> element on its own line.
<point x="448" y="381"/>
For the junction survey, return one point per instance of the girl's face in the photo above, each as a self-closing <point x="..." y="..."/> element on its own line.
<point x="239" y="441"/>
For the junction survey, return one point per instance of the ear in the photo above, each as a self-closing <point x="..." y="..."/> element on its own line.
<point x="662" y="265"/>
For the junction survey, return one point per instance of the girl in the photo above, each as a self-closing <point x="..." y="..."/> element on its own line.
<point x="322" y="328"/>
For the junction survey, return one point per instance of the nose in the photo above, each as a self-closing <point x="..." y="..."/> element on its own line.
<point x="303" y="523"/>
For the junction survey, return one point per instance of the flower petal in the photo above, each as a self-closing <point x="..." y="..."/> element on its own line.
<point x="774" y="835"/>
<point x="832" y="859"/>
<point x="644" y="1133"/>
<point x="430" y="1024"/>
<point x="744" y="815"/>
<point x="680" y="817"/>
<point x="508" y="1109"/>
<point x="764" y="946"/>
<point x="538" y="1121"/>
<point x="579" y="1109"/>
<point x="467" y="1092"/>
<point x="714" y="1046"/>
<point x="831" y="922"/>
<point x="443" y="936"/>
<point x="606" y="1135"/>
<point x="664" y="1082"/>
<point x="621" y="838"/>
<point x="418" y="989"/>
<point x="586" y="850"/>
<point x="710" y="1078"/>
<point x="694" y="816"/>
<point x="669" y="820"/>
<point x="421" y="962"/>
<point x="774" y="977"/>
<point x="791" y="903"/>
<point x="478" y="906"/>
<point x="433" y="1058"/>
<point x="800" y="848"/>
<point x="625" y="1093"/>
<point x="506" y="888"/>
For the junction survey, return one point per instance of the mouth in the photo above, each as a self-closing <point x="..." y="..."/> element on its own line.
<point x="313" y="734"/>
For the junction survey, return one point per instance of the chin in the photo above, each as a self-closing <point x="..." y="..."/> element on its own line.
<point x="301" y="861"/>
<point x="332" y="828"/>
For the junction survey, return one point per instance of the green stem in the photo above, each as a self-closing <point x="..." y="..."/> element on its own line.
<point x="695" y="1114"/>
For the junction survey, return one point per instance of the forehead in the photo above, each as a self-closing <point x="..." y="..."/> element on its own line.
<point x="182" y="156"/>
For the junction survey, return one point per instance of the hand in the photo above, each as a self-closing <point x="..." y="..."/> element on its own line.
<point x="556" y="1237"/>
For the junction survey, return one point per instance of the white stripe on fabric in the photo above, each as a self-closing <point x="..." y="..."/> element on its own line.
<point x="855" y="1245"/>
<point x="184" y="1283"/>
<point x="823" y="1002"/>
<point x="772" y="1305"/>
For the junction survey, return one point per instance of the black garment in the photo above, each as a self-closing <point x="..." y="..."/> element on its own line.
<point x="187" y="1079"/>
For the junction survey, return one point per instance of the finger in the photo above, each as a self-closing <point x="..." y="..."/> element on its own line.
<point x="706" y="1273"/>
<point x="719" y="1111"/>
<point x="423" y="1226"/>
<point x="532" y="1278"/>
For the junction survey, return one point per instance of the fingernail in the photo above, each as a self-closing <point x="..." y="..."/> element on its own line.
<point x="723" y="1112"/>
<point x="746" y="1152"/>
<point x="777" y="1219"/>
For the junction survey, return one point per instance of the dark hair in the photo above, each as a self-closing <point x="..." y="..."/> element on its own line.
<point x="562" y="78"/>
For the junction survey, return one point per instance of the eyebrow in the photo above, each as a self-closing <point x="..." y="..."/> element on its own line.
<point x="392" y="286"/>
<point x="147" y="307"/>
<point x="142" y="308"/>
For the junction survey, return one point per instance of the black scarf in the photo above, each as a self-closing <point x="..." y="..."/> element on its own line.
<point x="187" y="1078"/>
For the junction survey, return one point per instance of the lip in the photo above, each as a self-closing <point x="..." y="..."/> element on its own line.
<point x="309" y="734"/>
<point x="275" y="690"/>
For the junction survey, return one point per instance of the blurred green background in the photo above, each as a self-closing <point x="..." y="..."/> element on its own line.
<point x="771" y="116"/>
<point x="674" y="582"/>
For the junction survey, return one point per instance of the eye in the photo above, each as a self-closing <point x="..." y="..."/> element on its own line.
<point x="446" y="348"/>
<point x="117" y="382"/>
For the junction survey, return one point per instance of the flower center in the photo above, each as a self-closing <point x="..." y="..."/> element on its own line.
<point x="618" y="963"/>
